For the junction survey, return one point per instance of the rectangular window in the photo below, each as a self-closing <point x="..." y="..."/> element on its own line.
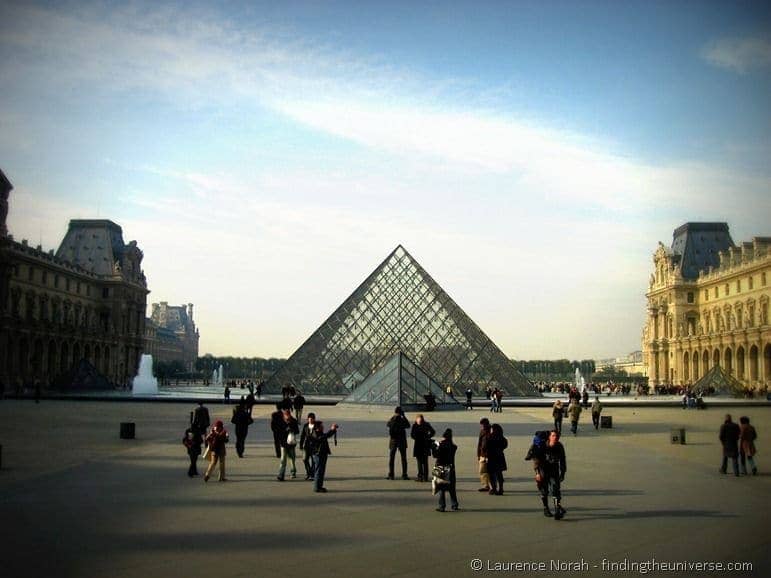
<point x="738" y="285"/>
<point x="749" y="281"/>
<point x="727" y="289"/>
<point x="715" y="292"/>
<point x="68" y="284"/>
<point x="106" y="292"/>
<point x="706" y="295"/>
<point x="45" y="277"/>
<point x="30" y="274"/>
<point x="763" y="278"/>
<point x="690" y="296"/>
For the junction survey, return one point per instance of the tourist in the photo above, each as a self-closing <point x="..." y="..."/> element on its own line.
<point x="557" y="413"/>
<point x="729" y="437"/>
<point x="276" y="426"/>
<point x="199" y="419"/>
<point x="226" y="399"/>
<point x="596" y="411"/>
<point x="299" y="403"/>
<point x="484" y="433"/>
<point x="445" y="456"/>
<point x="498" y="400"/>
<point x="216" y="440"/>
<point x="305" y="445"/>
<point x="397" y="433"/>
<point x="242" y="420"/>
<point x="422" y="432"/>
<point x="496" y="460"/>
<point x="250" y="401"/>
<point x="550" y="466"/>
<point x="747" y="436"/>
<point x="574" y="412"/>
<point x="288" y="441"/>
<point x="192" y="441"/>
<point x="321" y="452"/>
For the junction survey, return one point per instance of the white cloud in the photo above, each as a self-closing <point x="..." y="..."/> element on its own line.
<point x="739" y="54"/>
<point x="517" y="220"/>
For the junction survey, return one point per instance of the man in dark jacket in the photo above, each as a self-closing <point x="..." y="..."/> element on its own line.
<point x="199" y="419"/>
<point x="305" y="445"/>
<point x="277" y="427"/>
<point x="241" y="419"/>
<point x="729" y="437"/>
<point x="321" y="451"/>
<point x="550" y="467"/>
<point x="397" y="432"/>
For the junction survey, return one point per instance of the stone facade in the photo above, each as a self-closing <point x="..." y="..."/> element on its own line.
<point x="171" y="335"/>
<point x="86" y="301"/>
<point x="708" y="303"/>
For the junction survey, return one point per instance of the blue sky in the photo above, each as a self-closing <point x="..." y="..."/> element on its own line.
<point x="267" y="156"/>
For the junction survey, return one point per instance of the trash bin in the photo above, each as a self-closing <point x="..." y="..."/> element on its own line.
<point x="678" y="436"/>
<point x="127" y="430"/>
<point x="606" y="421"/>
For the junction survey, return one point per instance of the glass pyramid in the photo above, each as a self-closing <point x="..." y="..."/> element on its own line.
<point x="400" y="382"/>
<point x="399" y="307"/>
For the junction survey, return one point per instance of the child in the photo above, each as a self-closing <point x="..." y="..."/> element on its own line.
<point x="192" y="441"/>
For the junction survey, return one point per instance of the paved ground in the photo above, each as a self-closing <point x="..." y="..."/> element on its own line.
<point x="75" y="500"/>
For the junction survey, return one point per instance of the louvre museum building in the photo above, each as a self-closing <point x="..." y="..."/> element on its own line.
<point x="81" y="308"/>
<point x="708" y="308"/>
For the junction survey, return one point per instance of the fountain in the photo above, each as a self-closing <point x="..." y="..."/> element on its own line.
<point x="144" y="382"/>
<point x="219" y="376"/>
<point x="579" y="381"/>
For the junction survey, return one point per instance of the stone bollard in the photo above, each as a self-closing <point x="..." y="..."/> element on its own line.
<point x="677" y="436"/>
<point x="127" y="430"/>
<point x="606" y="421"/>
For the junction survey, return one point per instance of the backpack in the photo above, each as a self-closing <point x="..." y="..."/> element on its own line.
<point x="539" y="443"/>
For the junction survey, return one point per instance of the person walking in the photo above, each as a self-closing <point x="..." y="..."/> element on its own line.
<point x="421" y="433"/>
<point x="276" y="427"/>
<point x="216" y="440"/>
<point x="397" y="433"/>
<point x="574" y="412"/>
<point x="596" y="411"/>
<point x="199" y="419"/>
<point x="299" y="403"/>
<point x="729" y="437"/>
<point x="550" y="465"/>
<point x="288" y="441"/>
<point x="496" y="460"/>
<point x="445" y="456"/>
<point x="747" y="436"/>
<point x="242" y="420"/>
<point x="484" y="433"/>
<point x="321" y="452"/>
<point x="558" y="413"/>
<point x="192" y="441"/>
<point x="305" y="445"/>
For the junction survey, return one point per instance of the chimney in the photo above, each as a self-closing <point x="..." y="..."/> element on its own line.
<point x="190" y="311"/>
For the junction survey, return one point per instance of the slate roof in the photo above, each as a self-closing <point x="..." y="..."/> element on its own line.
<point x="698" y="246"/>
<point x="94" y="244"/>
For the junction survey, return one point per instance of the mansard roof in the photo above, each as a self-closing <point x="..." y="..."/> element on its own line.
<point x="698" y="246"/>
<point x="94" y="244"/>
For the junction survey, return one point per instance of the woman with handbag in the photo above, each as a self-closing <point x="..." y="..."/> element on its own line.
<point x="288" y="440"/>
<point x="421" y="433"/>
<point x="444" y="452"/>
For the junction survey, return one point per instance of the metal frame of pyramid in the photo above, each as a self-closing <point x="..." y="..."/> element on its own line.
<point x="399" y="307"/>
<point x="722" y="382"/>
<point x="400" y="381"/>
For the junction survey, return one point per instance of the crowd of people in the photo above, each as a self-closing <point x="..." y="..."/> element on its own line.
<point x="546" y="452"/>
